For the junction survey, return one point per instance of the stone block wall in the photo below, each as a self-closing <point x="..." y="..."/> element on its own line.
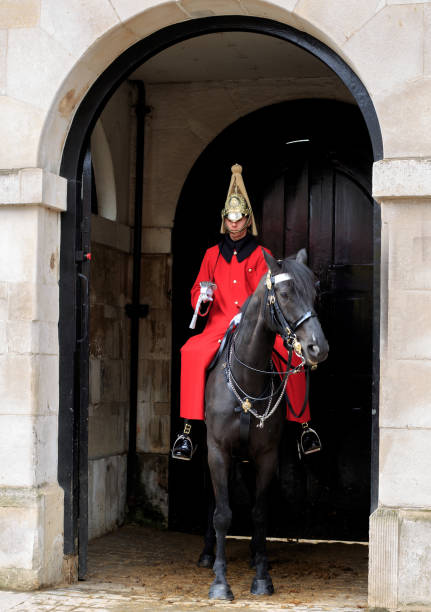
<point x="109" y="388"/>
<point x="31" y="502"/>
<point x="154" y="395"/>
<point x="399" y="555"/>
<point x="109" y="326"/>
<point x="107" y="493"/>
<point x="400" y="527"/>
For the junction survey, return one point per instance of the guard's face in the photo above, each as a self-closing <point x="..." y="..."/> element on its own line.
<point x="237" y="229"/>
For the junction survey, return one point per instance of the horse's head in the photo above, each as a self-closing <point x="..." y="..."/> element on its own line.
<point x="291" y="295"/>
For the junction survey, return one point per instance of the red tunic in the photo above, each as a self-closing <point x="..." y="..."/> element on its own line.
<point x="235" y="282"/>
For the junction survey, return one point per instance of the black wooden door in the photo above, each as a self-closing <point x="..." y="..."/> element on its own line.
<point x="319" y="202"/>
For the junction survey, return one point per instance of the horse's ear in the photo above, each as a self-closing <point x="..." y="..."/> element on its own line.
<point x="302" y="257"/>
<point x="271" y="262"/>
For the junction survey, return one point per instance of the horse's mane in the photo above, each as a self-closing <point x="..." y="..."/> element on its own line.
<point x="303" y="279"/>
<point x="244" y="306"/>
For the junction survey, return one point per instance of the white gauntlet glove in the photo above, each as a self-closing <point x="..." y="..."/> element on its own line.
<point x="207" y="291"/>
<point x="206" y="295"/>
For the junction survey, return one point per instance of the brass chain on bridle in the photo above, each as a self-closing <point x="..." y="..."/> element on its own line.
<point x="287" y="332"/>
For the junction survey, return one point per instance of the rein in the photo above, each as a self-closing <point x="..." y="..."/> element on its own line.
<point x="287" y="331"/>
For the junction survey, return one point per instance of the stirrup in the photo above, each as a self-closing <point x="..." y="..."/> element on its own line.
<point x="183" y="436"/>
<point x="316" y="445"/>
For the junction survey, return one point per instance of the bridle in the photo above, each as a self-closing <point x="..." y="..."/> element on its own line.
<point x="287" y="331"/>
<point x="279" y="322"/>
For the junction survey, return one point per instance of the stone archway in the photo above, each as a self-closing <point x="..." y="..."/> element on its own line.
<point x="71" y="465"/>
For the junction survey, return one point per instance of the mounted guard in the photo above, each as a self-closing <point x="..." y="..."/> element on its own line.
<point x="229" y="274"/>
<point x="243" y="401"/>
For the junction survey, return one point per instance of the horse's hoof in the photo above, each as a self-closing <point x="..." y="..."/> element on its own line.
<point x="262" y="586"/>
<point x="220" y="591"/>
<point x="206" y="561"/>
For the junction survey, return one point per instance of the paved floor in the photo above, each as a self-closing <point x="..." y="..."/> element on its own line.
<point x="139" y="568"/>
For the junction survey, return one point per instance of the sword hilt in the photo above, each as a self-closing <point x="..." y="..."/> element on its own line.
<point x="207" y="290"/>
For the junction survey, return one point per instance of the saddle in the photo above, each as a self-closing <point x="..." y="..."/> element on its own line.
<point x="232" y="325"/>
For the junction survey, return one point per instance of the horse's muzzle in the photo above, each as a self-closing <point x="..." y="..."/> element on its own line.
<point x="316" y="353"/>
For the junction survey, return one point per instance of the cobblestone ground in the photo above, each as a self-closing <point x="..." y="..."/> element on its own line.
<point x="139" y="568"/>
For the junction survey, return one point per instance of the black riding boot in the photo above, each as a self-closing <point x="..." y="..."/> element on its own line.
<point x="183" y="446"/>
<point x="309" y="441"/>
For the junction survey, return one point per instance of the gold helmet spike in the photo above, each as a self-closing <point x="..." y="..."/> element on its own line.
<point x="237" y="203"/>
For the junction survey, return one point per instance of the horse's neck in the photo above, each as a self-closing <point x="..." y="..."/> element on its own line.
<point x="253" y="344"/>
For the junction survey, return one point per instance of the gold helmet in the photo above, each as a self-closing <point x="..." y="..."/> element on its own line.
<point x="237" y="203"/>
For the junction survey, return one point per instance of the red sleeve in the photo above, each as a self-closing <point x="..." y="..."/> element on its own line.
<point x="205" y="274"/>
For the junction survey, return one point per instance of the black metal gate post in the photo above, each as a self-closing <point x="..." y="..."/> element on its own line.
<point x="83" y="258"/>
<point x="67" y="435"/>
<point x="74" y="363"/>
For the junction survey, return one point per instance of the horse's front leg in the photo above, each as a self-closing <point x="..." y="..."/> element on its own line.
<point x="219" y="460"/>
<point x="207" y="556"/>
<point x="265" y="468"/>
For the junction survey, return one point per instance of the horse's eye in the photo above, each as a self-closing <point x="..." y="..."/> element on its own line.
<point x="284" y="295"/>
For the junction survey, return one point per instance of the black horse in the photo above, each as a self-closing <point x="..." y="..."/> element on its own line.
<point x="242" y="384"/>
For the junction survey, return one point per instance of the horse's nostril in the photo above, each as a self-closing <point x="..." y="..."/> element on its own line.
<point x="314" y="349"/>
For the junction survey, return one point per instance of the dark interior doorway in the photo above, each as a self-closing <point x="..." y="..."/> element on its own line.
<point x="307" y="168"/>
